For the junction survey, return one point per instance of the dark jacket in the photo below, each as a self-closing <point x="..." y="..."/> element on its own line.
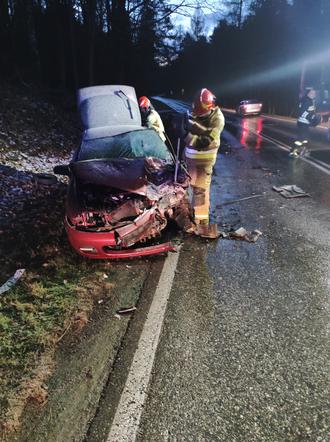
<point x="306" y="111"/>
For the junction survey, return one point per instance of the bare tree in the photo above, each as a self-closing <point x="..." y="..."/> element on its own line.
<point x="235" y="13"/>
<point x="197" y="23"/>
<point x="88" y="8"/>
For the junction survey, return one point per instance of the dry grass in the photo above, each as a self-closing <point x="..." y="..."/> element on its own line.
<point x="34" y="317"/>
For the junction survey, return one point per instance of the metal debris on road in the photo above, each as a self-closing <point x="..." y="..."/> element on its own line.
<point x="242" y="234"/>
<point x="290" y="191"/>
<point x="227" y="203"/>
<point x="11" y="281"/>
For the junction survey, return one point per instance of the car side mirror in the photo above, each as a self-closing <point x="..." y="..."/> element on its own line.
<point x="62" y="169"/>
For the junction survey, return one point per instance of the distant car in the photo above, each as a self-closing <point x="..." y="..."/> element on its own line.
<point x="122" y="189"/>
<point x="249" y="107"/>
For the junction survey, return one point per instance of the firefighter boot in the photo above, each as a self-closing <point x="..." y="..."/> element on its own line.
<point x="208" y="231"/>
<point x="294" y="153"/>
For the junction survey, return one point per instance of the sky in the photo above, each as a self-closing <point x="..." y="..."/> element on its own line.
<point x="211" y="17"/>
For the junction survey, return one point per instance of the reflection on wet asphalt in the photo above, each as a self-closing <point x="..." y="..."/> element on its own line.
<point x="244" y="353"/>
<point x="251" y="130"/>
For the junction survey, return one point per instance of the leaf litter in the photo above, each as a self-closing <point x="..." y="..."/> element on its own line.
<point x="58" y="289"/>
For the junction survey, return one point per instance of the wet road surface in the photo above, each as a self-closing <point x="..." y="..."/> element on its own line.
<point x="281" y="132"/>
<point x="244" y="352"/>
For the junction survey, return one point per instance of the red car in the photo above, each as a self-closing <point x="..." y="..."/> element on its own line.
<point x="122" y="190"/>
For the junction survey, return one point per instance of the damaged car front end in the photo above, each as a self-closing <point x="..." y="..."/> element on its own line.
<point x="122" y="192"/>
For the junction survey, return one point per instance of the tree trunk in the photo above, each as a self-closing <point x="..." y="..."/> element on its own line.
<point x="4" y="37"/>
<point x="33" y="39"/>
<point x="89" y="18"/>
<point x="71" y="19"/>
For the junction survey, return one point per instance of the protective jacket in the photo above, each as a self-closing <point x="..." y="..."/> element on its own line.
<point x="205" y="131"/>
<point x="307" y="111"/>
<point x="202" y="143"/>
<point x="153" y="121"/>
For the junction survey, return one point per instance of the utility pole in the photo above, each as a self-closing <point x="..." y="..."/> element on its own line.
<point x="302" y="79"/>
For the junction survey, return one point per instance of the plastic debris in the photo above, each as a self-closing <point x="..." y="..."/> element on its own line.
<point x="290" y="191"/>
<point x="12" y="281"/>
<point x="126" y="310"/>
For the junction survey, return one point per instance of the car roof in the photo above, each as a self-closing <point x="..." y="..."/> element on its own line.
<point x="250" y="101"/>
<point x="108" y="106"/>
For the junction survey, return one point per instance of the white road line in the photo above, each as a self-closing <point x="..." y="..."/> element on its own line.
<point x="127" y="418"/>
<point x="286" y="120"/>
<point x="284" y="146"/>
<point x="292" y="121"/>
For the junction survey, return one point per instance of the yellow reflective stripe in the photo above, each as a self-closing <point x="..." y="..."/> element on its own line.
<point x="205" y="216"/>
<point x="200" y="152"/>
<point x="210" y="156"/>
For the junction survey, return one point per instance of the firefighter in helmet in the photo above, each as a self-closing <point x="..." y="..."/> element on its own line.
<point x="307" y="117"/>
<point x="202" y="144"/>
<point x="150" y="117"/>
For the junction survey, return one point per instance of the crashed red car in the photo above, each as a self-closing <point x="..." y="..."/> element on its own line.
<point x="122" y="189"/>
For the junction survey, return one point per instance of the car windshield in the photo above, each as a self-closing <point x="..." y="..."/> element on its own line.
<point x="134" y="144"/>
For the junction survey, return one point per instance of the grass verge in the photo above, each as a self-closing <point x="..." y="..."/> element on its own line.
<point x="34" y="317"/>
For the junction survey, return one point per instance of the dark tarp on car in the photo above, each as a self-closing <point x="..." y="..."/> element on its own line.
<point x="135" y="144"/>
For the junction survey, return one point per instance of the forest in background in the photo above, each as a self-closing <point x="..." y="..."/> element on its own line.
<point x="258" y="49"/>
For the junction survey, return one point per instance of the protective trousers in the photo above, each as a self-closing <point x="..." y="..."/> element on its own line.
<point x="302" y="135"/>
<point x="200" y="165"/>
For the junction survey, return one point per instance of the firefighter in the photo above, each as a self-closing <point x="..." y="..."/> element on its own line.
<point x="202" y="144"/>
<point x="307" y="117"/>
<point x="150" y="117"/>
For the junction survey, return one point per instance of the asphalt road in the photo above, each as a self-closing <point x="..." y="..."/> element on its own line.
<point x="283" y="132"/>
<point x="244" y="351"/>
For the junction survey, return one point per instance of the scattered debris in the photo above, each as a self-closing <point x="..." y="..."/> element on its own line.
<point x="242" y="234"/>
<point x="290" y="191"/>
<point x="12" y="281"/>
<point x="258" y="167"/>
<point x="65" y="332"/>
<point x="126" y="310"/>
<point x="38" y="394"/>
<point x="226" y="148"/>
<point x="227" y="203"/>
<point x="80" y="320"/>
